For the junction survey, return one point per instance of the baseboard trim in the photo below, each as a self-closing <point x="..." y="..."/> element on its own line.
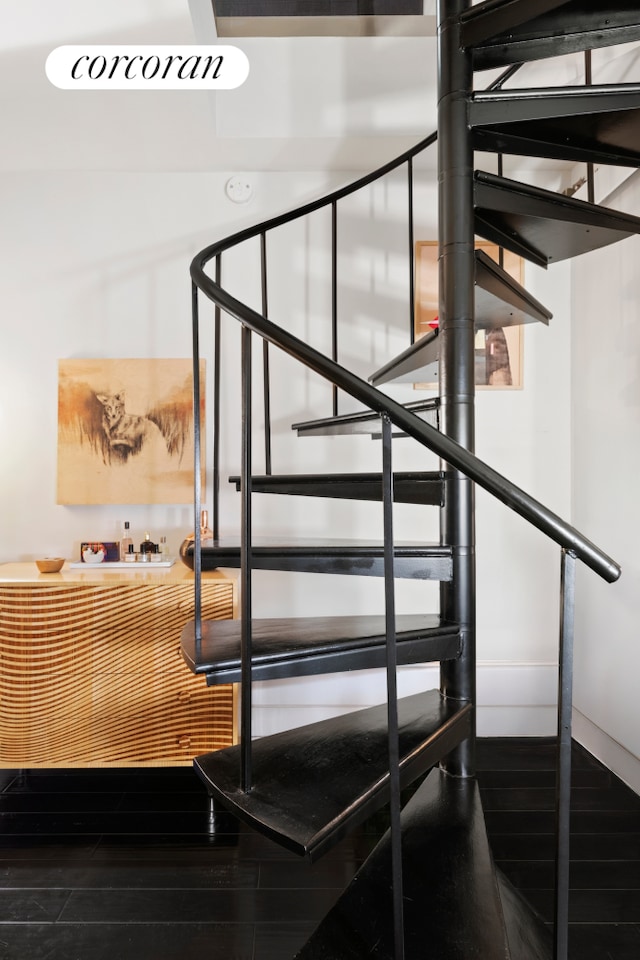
<point x="608" y="751"/>
<point x="514" y="699"/>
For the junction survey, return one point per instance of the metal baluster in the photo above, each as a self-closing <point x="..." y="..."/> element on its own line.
<point x="591" y="186"/>
<point x="197" y="476"/>
<point x="265" y="359"/>
<point x="216" y="409"/>
<point x="412" y="295"/>
<point x="245" y="568"/>
<point x="563" y="773"/>
<point x="500" y="174"/>
<point x="334" y="296"/>
<point x="392" y="692"/>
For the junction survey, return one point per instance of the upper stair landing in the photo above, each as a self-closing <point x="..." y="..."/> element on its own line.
<point x="503" y="32"/>
<point x="321" y="18"/>
<point x="583" y="124"/>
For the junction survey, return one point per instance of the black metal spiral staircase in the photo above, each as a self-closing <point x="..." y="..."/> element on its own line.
<point x="430" y="888"/>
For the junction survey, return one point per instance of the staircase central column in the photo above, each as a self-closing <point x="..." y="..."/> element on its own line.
<point x="456" y="270"/>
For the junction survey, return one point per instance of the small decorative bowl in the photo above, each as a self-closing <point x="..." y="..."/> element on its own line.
<point x="50" y="564"/>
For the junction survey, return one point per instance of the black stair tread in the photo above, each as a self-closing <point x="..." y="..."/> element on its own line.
<point x="364" y="421"/>
<point x="543" y="226"/>
<point x="594" y="124"/>
<point x="453" y="908"/>
<point x="500" y="301"/>
<point x="408" y="486"/>
<point x="419" y="362"/>
<point x="304" y="646"/>
<point x="313" y="784"/>
<point x="502" y="32"/>
<point x="414" y="560"/>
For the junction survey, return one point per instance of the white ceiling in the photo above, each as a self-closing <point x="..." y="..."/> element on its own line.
<point x="310" y="103"/>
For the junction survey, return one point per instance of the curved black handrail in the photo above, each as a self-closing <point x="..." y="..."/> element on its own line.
<point x="457" y="456"/>
<point x="332" y="198"/>
<point x="574" y="545"/>
<point x="495" y="483"/>
<point x="311" y="206"/>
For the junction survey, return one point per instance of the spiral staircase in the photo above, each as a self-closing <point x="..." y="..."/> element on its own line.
<point x="430" y="889"/>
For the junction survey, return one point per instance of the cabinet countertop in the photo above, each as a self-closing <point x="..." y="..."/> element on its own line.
<point x="27" y="572"/>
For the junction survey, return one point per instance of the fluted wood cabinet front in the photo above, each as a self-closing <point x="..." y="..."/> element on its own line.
<point x="91" y="673"/>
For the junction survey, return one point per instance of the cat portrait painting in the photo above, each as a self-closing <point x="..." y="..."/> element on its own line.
<point x="125" y="431"/>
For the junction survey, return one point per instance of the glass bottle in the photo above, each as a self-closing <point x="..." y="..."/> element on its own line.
<point x="147" y="547"/>
<point x="126" y="541"/>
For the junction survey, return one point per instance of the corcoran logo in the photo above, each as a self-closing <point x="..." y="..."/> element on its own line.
<point x="147" y="67"/>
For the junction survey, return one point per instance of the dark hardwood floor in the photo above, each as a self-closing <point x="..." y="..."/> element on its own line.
<point x="120" y="864"/>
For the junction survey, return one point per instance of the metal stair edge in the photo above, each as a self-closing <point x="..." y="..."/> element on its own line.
<point x="599" y="124"/>
<point x="502" y="32"/>
<point x="418" y="561"/>
<point x="483" y="21"/>
<point x="306" y="646"/>
<point x="541" y="225"/>
<point x="492" y="279"/>
<point x="363" y="421"/>
<point x="417" y="362"/>
<point x="417" y="487"/>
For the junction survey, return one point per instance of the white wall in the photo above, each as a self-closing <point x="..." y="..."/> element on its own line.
<point x="93" y="265"/>
<point x="606" y="464"/>
<point x="519" y="432"/>
<point x="96" y="265"/>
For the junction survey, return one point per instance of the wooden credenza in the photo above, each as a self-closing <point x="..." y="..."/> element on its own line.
<point x="91" y="673"/>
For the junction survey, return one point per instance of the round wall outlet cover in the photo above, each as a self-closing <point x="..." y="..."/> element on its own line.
<point x="239" y="189"/>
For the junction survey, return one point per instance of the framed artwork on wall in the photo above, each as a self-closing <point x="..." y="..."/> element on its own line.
<point x="498" y="352"/>
<point x="125" y="431"/>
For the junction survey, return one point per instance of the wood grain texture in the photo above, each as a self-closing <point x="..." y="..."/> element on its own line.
<point x="91" y="675"/>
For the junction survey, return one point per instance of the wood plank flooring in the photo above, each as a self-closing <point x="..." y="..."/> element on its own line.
<point x="121" y="864"/>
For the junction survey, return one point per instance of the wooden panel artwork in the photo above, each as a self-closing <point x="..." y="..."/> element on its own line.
<point x="91" y="675"/>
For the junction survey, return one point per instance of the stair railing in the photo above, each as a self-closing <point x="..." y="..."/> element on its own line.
<point x="265" y="228"/>
<point x="574" y="545"/>
<point x="408" y="422"/>
<point x="262" y="231"/>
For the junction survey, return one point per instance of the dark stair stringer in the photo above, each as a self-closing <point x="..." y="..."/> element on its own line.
<point x="426" y="488"/>
<point x="502" y="32"/>
<point x="313" y="645"/>
<point x="313" y="784"/>
<point x="414" y="561"/>
<point x="455" y="907"/>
